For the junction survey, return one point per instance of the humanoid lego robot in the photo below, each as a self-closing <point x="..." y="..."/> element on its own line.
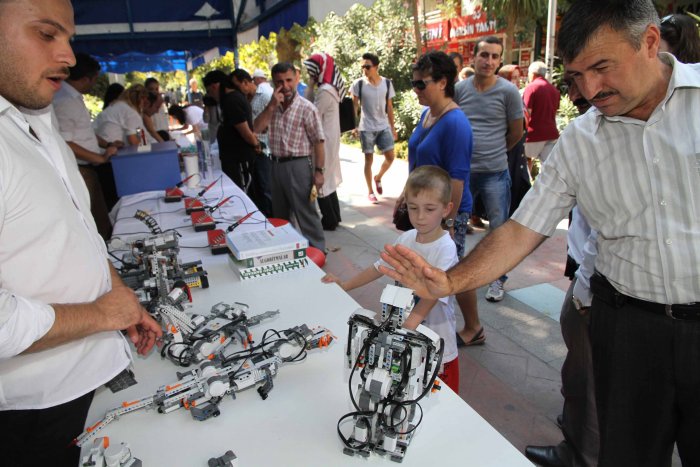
<point x="397" y="367"/>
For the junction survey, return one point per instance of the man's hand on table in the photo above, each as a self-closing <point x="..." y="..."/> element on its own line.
<point x="121" y="310"/>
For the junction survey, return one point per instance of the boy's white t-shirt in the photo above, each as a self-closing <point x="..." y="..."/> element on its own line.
<point x="442" y="253"/>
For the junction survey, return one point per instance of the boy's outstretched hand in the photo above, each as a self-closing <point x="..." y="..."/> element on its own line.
<point x="330" y="279"/>
<point x="414" y="272"/>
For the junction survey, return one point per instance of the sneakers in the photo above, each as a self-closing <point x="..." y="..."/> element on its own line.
<point x="378" y="184"/>
<point x="372" y="199"/>
<point x="495" y="292"/>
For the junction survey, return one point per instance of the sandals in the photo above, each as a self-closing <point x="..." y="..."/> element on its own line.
<point x="478" y="339"/>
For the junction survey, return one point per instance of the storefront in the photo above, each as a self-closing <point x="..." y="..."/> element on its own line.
<point x="461" y="34"/>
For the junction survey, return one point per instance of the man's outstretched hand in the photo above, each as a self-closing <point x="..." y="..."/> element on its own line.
<point x="414" y="272"/>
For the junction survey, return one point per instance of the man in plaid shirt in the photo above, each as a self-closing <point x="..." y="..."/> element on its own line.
<point x="296" y="144"/>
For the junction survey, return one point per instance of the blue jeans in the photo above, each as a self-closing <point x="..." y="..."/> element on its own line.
<point x="494" y="190"/>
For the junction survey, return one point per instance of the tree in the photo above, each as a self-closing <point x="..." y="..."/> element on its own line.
<point x="385" y="29"/>
<point x="515" y="13"/>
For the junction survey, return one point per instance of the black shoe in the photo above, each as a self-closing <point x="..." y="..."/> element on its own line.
<point x="546" y="456"/>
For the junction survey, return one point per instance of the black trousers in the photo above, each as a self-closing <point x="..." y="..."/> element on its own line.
<point x="647" y="381"/>
<point x="42" y="437"/>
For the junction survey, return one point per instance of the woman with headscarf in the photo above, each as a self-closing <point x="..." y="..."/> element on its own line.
<point x="326" y="89"/>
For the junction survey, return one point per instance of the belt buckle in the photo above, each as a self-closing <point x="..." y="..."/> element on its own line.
<point x="669" y="311"/>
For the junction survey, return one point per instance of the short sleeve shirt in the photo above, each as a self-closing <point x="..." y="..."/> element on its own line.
<point x="489" y="113"/>
<point x="235" y="109"/>
<point x="373" y="103"/>
<point x="449" y="146"/>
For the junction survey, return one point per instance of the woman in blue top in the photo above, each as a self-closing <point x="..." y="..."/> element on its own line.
<point x="443" y="137"/>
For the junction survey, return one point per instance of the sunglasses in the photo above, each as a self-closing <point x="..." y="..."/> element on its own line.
<point x="366" y="67"/>
<point x="669" y="19"/>
<point x="420" y="84"/>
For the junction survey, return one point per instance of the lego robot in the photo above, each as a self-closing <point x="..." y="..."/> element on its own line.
<point x="200" y="390"/>
<point x="192" y="338"/>
<point x="397" y="368"/>
<point x="152" y="267"/>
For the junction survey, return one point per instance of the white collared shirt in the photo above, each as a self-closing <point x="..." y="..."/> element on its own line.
<point x="118" y="121"/>
<point x="50" y="252"/>
<point x="74" y="121"/>
<point x="638" y="185"/>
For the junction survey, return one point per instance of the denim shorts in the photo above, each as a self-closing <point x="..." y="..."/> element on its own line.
<point x="384" y="140"/>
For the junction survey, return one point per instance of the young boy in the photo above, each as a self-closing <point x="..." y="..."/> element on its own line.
<point x="428" y="199"/>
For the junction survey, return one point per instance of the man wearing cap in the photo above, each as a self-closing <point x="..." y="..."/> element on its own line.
<point x="260" y="80"/>
<point x="542" y="102"/>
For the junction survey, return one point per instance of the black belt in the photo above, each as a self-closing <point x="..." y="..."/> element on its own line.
<point x="604" y="290"/>
<point x="288" y="158"/>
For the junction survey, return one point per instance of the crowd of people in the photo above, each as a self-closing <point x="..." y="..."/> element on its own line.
<point x="627" y="171"/>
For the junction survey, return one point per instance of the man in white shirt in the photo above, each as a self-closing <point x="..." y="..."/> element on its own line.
<point x="76" y="129"/>
<point x="631" y="164"/>
<point x="61" y="302"/>
<point x="260" y="80"/>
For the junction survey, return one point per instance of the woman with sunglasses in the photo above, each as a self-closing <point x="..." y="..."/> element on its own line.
<point x="443" y="137"/>
<point x="679" y="36"/>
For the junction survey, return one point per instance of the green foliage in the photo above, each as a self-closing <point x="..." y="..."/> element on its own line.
<point x="385" y="29"/>
<point x="94" y="104"/>
<point x="567" y="112"/>
<point x="401" y="149"/>
<point x="258" y="54"/>
<point x="167" y="80"/>
<point x="407" y="112"/>
<point x="225" y="63"/>
<point x="518" y="10"/>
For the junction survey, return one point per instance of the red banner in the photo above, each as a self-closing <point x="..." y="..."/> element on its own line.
<point x="471" y="27"/>
<point x="437" y="33"/>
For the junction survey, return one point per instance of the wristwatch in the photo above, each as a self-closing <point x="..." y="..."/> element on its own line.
<point x="320" y="170"/>
<point x="449" y="223"/>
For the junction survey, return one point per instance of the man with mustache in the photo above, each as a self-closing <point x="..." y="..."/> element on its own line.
<point x="631" y="164"/>
<point x="296" y="145"/>
<point x="61" y="302"/>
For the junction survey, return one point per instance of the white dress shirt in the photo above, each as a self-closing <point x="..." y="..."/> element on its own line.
<point x="118" y="121"/>
<point x="74" y="121"/>
<point x="581" y="243"/>
<point x="50" y="252"/>
<point x="638" y="185"/>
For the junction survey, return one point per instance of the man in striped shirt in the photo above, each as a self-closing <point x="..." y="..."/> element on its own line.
<point x="296" y="144"/>
<point x="632" y="166"/>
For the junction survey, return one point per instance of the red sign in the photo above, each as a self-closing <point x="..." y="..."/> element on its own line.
<point x="436" y="33"/>
<point x="471" y="27"/>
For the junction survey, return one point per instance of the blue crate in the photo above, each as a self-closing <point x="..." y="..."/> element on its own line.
<point x="136" y="172"/>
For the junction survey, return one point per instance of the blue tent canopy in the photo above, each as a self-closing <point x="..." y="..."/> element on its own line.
<point x="162" y="35"/>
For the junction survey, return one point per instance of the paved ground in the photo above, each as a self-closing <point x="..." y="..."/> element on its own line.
<point x="513" y="380"/>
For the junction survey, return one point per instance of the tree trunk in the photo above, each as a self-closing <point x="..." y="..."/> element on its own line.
<point x="416" y="28"/>
<point x="509" y="40"/>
